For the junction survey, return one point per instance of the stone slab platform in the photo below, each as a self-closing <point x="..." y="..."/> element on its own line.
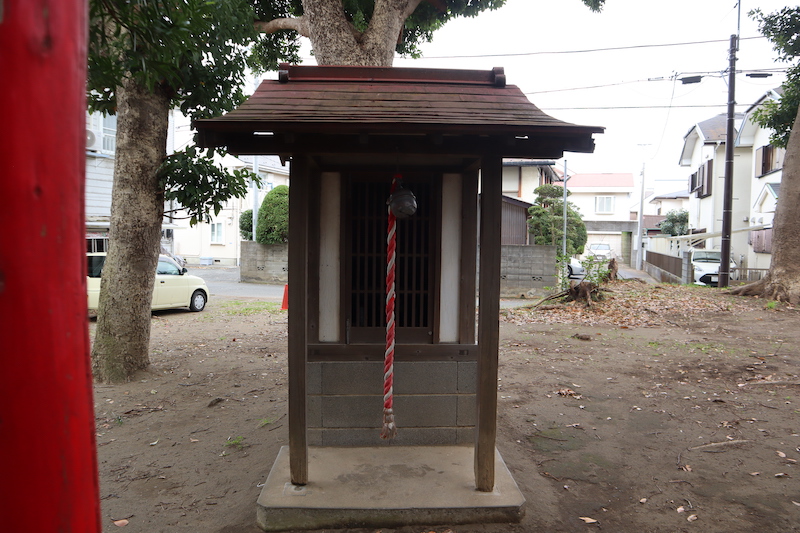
<point x="386" y="487"/>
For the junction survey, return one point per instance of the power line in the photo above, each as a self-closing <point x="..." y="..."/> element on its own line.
<point x="589" y="50"/>
<point x="673" y="77"/>
<point x="601" y="108"/>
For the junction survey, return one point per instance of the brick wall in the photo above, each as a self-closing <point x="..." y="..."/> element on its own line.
<point x="526" y="268"/>
<point x="264" y="263"/>
<point x="434" y="402"/>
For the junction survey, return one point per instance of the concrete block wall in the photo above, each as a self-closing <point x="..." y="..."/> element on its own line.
<point x="434" y="403"/>
<point x="264" y="263"/>
<point x="526" y="268"/>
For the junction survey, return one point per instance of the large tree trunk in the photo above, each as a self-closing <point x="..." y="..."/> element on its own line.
<point x="122" y="338"/>
<point x="782" y="282"/>
<point x="336" y="42"/>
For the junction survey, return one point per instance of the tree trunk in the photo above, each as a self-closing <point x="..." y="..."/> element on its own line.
<point x="335" y="40"/>
<point x="122" y="339"/>
<point x="782" y="282"/>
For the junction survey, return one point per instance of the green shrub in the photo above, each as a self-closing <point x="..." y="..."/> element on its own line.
<point x="273" y="217"/>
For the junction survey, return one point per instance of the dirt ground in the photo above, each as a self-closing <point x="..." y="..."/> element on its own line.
<point x="662" y="409"/>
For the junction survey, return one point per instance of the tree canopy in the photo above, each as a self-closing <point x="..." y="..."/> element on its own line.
<point x="246" y="224"/>
<point x="676" y="223"/>
<point x="367" y="32"/>
<point x="145" y="58"/>
<point x="782" y="28"/>
<point x="546" y="222"/>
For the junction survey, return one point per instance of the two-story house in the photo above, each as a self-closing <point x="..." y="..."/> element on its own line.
<point x="101" y="141"/>
<point x="604" y="202"/>
<point x="217" y="241"/>
<point x="704" y="154"/>
<point x="602" y="199"/>
<point x="765" y="181"/>
<point x="101" y="137"/>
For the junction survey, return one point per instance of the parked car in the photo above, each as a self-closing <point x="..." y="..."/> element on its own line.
<point x="600" y="250"/>
<point x="575" y="268"/>
<point x="705" y="264"/>
<point x="173" y="288"/>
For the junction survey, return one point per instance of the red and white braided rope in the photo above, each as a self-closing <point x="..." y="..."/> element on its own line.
<point x="389" y="429"/>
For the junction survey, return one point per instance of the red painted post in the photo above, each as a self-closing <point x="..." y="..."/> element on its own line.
<point x="48" y="471"/>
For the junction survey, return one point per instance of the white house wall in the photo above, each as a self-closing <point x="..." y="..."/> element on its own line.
<point x="706" y="213"/>
<point x="761" y="212"/>
<point x="194" y="243"/>
<point x="520" y="182"/>
<point x="99" y="182"/>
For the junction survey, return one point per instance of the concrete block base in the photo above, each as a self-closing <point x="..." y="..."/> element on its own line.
<point x="386" y="487"/>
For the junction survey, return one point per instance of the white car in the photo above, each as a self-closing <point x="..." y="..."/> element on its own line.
<point x="575" y="268"/>
<point x="600" y="250"/>
<point x="173" y="288"/>
<point x="705" y="264"/>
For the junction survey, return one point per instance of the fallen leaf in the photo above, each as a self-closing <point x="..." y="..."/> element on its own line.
<point x="120" y="523"/>
<point x="691" y="518"/>
<point x="588" y="520"/>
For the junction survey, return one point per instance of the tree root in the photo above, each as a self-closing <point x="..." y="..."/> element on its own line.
<point x="768" y="289"/>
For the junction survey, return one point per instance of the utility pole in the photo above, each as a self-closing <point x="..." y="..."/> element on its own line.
<point x="727" y="195"/>
<point x="255" y="195"/>
<point x="564" y="211"/>
<point x="640" y="218"/>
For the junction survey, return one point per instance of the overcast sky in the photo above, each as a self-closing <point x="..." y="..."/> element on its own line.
<point x="634" y="92"/>
<point x="651" y="129"/>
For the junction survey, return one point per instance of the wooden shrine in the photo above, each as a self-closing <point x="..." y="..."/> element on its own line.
<point x="347" y="132"/>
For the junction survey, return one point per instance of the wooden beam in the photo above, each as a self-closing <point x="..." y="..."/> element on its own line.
<point x="469" y="243"/>
<point x="541" y="146"/>
<point x="403" y="352"/>
<point x="488" y="321"/>
<point x="298" y="330"/>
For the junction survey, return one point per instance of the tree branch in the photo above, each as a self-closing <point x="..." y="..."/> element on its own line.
<point x="298" y="24"/>
<point x="412" y="5"/>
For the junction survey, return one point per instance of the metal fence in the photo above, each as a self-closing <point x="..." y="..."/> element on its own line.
<point x="747" y="275"/>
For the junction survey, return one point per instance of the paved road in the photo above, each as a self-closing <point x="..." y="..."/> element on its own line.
<point x="224" y="281"/>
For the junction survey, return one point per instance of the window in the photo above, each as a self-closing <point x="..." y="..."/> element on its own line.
<point x="109" y="133"/>
<point x="694" y="183"/>
<point x="701" y="180"/>
<point x="768" y="159"/>
<point x="168" y="268"/>
<point x="96" y="244"/>
<point x="216" y="233"/>
<point x="415" y="279"/>
<point x="761" y="240"/>
<point x="603" y="204"/>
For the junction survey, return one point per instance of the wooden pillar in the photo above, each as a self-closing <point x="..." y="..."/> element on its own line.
<point x="49" y="466"/>
<point x="469" y="243"/>
<point x="298" y="330"/>
<point x="488" y="320"/>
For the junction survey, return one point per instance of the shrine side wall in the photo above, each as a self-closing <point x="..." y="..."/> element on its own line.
<point x="434" y="403"/>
